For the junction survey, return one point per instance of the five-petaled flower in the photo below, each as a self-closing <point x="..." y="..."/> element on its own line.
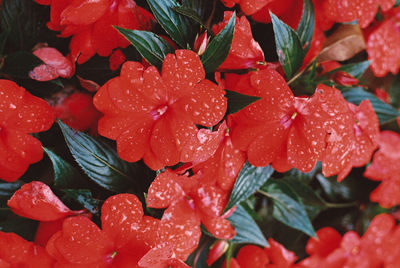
<point x="152" y="115"/>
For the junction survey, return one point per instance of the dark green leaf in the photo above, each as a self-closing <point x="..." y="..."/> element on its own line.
<point x="84" y="197"/>
<point x="304" y="177"/>
<point x="333" y="189"/>
<point x="310" y="199"/>
<point x="238" y="101"/>
<point x="247" y="230"/>
<point x="65" y="175"/>
<point x="179" y="27"/>
<point x="397" y="3"/>
<point x="24" y="20"/>
<point x="249" y="180"/>
<point x="384" y="111"/>
<point x="3" y="40"/>
<point x="19" y="64"/>
<point x="23" y="227"/>
<point x="305" y="29"/>
<point x="218" y="49"/>
<point x="288" y="46"/>
<point x="192" y="14"/>
<point x="7" y="189"/>
<point x="98" y="160"/>
<point x="152" y="47"/>
<point x="287" y="206"/>
<point x="354" y="69"/>
<point x="394" y="92"/>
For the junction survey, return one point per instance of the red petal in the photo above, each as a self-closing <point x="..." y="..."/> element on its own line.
<point x="267" y="146"/>
<point x="147" y="232"/>
<point x="328" y="240"/>
<point x="133" y="142"/>
<point x="82" y="47"/>
<point x="202" y="146"/>
<point x="84" y="12"/>
<point x="383" y="49"/>
<point x="182" y="73"/>
<point x="210" y="200"/>
<point x="121" y="216"/>
<point x="219" y="227"/>
<point x="35" y="200"/>
<point x="252" y="256"/>
<point x="250" y="6"/>
<point x="14" y="249"/>
<point x="279" y="255"/>
<point x="180" y="228"/>
<point x="387" y="194"/>
<point x="205" y="104"/>
<point x="82" y="242"/>
<point x="56" y="61"/>
<point x="46" y="230"/>
<point x="164" y="190"/>
<point x="104" y="35"/>
<point x="245" y="52"/>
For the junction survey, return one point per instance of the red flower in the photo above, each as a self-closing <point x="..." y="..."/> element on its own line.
<point x="275" y="255"/>
<point x="90" y="23"/>
<point x="153" y="116"/>
<point x="126" y="236"/>
<point x="245" y="51"/>
<point x="371" y="250"/>
<point x="188" y="202"/>
<point x="363" y="11"/>
<point x="225" y="164"/>
<point x="17" y="252"/>
<point x="78" y="112"/>
<point x="353" y="140"/>
<point x="284" y="130"/>
<point x="383" y="46"/>
<point x="20" y="113"/>
<point x="55" y="65"/>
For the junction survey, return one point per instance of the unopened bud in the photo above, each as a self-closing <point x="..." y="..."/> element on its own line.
<point x="216" y="251"/>
<point x="200" y="44"/>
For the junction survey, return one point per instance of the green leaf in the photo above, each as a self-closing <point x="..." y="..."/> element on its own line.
<point x="24" y="20"/>
<point x="98" y="160"/>
<point x="249" y="180"/>
<point x="193" y="15"/>
<point x="65" y="175"/>
<point x="305" y="29"/>
<point x="384" y="111"/>
<point x="305" y="177"/>
<point x="7" y="189"/>
<point x="238" y="101"/>
<point x="287" y="206"/>
<point x="354" y="69"/>
<point x="179" y="27"/>
<point x="394" y="92"/>
<point x="218" y="49"/>
<point x="247" y="230"/>
<point x="85" y="198"/>
<point x="151" y="46"/>
<point x="19" y="64"/>
<point x="288" y="46"/>
<point x="23" y="227"/>
<point x="313" y="203"/>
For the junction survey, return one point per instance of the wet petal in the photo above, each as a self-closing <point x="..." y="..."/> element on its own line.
<point x="164" y="190"/>
<point x="121" y="216"/>
<point x="35" y="200"/>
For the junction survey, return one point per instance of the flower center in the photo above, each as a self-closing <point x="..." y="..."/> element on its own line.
<point x="159" y="111"/>
<point x="287" y="120"/>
